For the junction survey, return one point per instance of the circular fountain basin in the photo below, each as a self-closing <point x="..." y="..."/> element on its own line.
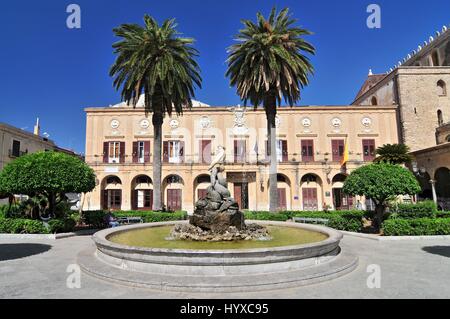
<point x="264" y="265"/>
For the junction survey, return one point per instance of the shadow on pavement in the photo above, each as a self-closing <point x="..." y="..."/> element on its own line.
<point x="438" y="250"/>
<point x="17" y="251"/>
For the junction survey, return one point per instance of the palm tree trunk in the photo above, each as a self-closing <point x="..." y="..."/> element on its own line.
<point x="157" y="120"/>
<point x="271" y="112"/>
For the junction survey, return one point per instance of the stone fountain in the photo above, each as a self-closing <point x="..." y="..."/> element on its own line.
<point x="217" y="217"/>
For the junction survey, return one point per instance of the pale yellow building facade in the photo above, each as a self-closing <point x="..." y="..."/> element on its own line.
<point x="311" y="143"/>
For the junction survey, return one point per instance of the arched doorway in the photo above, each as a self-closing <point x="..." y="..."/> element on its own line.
<point x="111" y="193"/>
<point x="284" y="192"/>
<point x="311" y="188"/>
<point x="142" y="193"/>
<point x="442" y="178"/>
<point x="341" y="201"/>
<point x="173" y="186"/>
<point x="201" y="183"/>
<point x="424" y="182"/>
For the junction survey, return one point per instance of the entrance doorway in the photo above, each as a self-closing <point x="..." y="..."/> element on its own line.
<point x="310" y="199"/>
<point x="174" y="198"/>
<point x="241" y="194"/>
<point x="282" y="204"/>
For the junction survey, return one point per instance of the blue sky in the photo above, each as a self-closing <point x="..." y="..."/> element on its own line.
<point x="52" y="72"/>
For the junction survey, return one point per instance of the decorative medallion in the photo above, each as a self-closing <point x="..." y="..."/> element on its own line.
<point x="115" y="124"/>
<point x="174" y="124"/>
<point x="306" y="122"/>
<point x="145" y="124"/>
<point x="366" y="122"/>
<point x="336" y="122"/>
<point x="239" y="120"/>
<point x="205" y="122"/>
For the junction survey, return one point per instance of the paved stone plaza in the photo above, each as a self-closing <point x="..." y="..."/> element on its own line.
<point x="410" y="269"/>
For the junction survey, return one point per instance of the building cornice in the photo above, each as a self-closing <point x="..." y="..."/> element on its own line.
<point x="281" y="110"/>
<point x="432" y="149"/>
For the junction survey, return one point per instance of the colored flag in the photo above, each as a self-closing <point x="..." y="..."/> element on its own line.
<point x="344" y="159"/>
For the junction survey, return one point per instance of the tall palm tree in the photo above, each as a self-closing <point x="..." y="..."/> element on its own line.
<point x="266" y="65"/>
<point x="393" y="154"/>
<point x="155" y="61"/>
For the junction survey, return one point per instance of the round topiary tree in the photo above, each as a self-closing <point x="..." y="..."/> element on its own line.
<point x="380" y="182"/>
<point x="50" y="174"/>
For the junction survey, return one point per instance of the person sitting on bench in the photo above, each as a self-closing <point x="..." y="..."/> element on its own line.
<point x="111" y="221"/>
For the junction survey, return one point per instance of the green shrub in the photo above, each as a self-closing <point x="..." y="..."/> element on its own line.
<point x="94" y="218"/>
<point x="426" y="209"/>
<point x="416" y="227"/>
<point x="442" y="214"/>
<point x="66" y="225"/>
<point x="6" y="212"/>
<point x="22" y="226"/>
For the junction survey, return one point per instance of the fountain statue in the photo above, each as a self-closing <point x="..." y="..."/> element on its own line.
<point x="218" y="211"/>
<point x="217" y="217"/>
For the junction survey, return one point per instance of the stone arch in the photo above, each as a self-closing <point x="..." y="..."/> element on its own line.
<point x="201" y="183"/>
<point x="440" y="117"/>
<point x="284" y="192"/>
<point x="111" y="193"/>
<point x="424" y="182"/>
<point x="441" y="88"/>
<point x="341" y="201"/>
<point x="311" y="192"/>
<point x="142" y="193"/>
<point x="442" y="178"/>
<point x="374" y="100"/>
<point x="173" y="187"/>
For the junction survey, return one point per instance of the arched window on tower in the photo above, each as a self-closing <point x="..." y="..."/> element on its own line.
<point x="440" y="117"/>
<point x="435" y="58"/>
<point x="374" y="101"/>
<point x="442" y="88"/>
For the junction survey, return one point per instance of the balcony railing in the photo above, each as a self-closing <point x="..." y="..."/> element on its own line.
<point x="250" y="159"/>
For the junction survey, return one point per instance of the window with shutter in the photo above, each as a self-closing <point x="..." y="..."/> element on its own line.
<point x="307" y="147"/>
<point x="338" y="147"/>
<point x="368" y="150"/>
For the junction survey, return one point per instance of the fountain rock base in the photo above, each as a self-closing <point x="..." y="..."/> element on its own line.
<point x="194" y="233"/>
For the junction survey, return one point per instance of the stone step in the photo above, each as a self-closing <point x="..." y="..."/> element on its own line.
<point x="339" y="266"/>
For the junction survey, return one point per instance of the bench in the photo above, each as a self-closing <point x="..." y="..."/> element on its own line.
<point x="306" y="220"/>
<point x="129" y="220"/>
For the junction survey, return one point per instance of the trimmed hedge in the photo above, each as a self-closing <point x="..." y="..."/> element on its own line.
<point x="416" y="227"/>
<point x="96" y="218"/>
<point x="280" y="217"/>
<point x="153" y="217"/>
<point x="22" y="226"/>
<point x="341" y="220"/>
<point x="425" y="209"/>
<point x="443" y="214"/>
